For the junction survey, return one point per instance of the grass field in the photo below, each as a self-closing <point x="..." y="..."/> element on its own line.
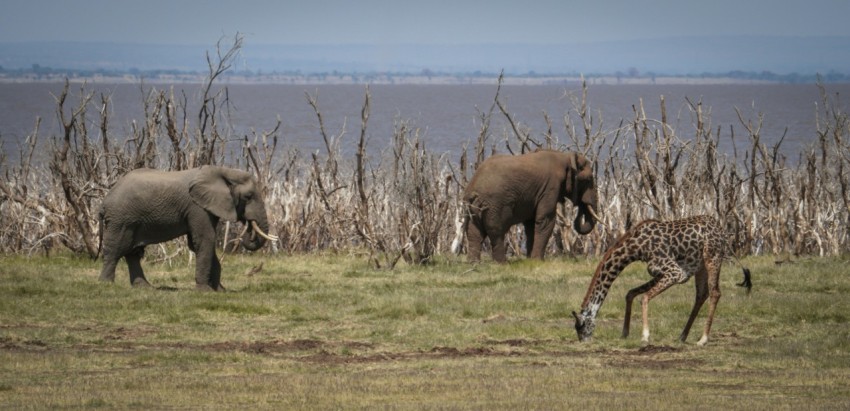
<point x="328" y="331"/>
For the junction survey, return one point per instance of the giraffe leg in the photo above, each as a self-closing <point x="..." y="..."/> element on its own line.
<point x="713" y="268"/>
<point x="701" y="281"/>
<point x="630" y="296"/>
<point x="665" y="272"/>
<point x="662" y="284"/>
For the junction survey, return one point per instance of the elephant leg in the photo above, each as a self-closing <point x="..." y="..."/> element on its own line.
<point x="529" y="237"/>
<point x="543" y="228"/>
<point x="201" y="281"/>
<point x="116" y="244"/>
<point x="207" y="267"/>
<point x="190" y="242"/>
<point x="475" y="238"/>
<point x="202" y="237"/>
<point x="497" y="243"/>
<point x="206" y="263"/>
<point x="134" y="265"/>
<point x="208" y="279"/>
<point x="110" y="261"/>
<point x="215" y="273"/>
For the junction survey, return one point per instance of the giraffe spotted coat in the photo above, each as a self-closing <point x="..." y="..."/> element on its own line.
<point x="674" y="252"/>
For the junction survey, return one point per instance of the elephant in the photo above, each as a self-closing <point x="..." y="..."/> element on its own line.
<point x="148" y="206"/>
<point x="512" y="189"/>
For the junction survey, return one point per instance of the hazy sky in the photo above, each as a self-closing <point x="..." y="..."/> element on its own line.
<point x="412" y="22"/>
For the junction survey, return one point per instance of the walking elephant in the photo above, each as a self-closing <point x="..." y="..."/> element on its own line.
<point x="508" y="190"/>
<point x="149" y="206"/>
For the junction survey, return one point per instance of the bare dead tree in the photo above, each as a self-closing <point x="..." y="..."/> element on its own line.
<point x="66" y="169"/>
<point x="396" y="205"/>
<point x="208" y="134"/>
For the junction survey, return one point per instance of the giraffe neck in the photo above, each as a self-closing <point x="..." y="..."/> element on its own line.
<point x="613" y="262"/>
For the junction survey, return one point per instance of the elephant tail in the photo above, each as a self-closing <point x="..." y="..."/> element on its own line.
<point x="461" y="222"/>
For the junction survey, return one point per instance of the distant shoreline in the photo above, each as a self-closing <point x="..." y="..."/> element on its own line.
<point x="385" y="79"/>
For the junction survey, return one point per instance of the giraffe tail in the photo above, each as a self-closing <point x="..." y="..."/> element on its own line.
<point x="747" y="282"/>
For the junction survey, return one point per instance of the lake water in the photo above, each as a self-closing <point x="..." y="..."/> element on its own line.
<point x="448" y="115"/>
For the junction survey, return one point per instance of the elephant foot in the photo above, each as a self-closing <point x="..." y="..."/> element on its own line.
<point x="106" y="279"/>
<point x="208" y="288"/>
<point x="204" y="288"/>
<point x="141" y="283"/>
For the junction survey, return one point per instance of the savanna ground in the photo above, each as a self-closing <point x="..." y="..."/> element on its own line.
<point x="330" y="331"/>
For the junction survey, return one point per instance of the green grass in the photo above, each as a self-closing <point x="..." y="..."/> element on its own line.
<point x="328" y="331"/>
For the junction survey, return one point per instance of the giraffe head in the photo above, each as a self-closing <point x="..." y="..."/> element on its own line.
<point x="584" y="325"/>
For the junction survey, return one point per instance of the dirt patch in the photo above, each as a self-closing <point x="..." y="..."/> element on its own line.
<point x="122" y="333"/>
<point x="656" y="349"/>
<point x="452" y="352"/>
<point x="253" y="347"/>
<point x="439" y="352"/>
<point x="660" y="357"/>
<point x="660" y="364"/>
<point x="13" y="344"/>
<point x="125" y="341"/>
<point x="264" y="347"/>
<point x="517" y="342"/>
<point x="268" y="347"/>
<point x="329" y="358"/>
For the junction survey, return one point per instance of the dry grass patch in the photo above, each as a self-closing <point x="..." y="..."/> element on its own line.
<point x="328" y="331"/>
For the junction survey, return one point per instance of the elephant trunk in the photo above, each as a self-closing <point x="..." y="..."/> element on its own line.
<point x="585" y="219"/>
<point x="255" y="236"/>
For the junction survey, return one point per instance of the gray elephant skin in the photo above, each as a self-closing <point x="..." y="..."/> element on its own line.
<point x="508" y="190"/>
<point x="150" y="206"/>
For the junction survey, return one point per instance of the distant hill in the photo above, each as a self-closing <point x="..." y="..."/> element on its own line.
<point x="666" y="56"/>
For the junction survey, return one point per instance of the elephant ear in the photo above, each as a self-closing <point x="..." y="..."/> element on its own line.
<point x="210" y="189"/>
<point x="572" y="171"/>
<point x="585" y="183"/>
<point x="584" y="167"/>
<point x="579" y="175"/>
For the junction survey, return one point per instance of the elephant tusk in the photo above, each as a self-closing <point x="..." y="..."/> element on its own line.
<point x="595" y="217"/>
<point x="593" y="213"/>
<point x="261" y="233"/>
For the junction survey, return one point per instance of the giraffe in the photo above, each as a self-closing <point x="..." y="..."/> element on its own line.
<point x="674" y="252"/>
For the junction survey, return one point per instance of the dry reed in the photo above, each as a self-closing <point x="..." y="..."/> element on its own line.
<point x="403" y="203"/>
